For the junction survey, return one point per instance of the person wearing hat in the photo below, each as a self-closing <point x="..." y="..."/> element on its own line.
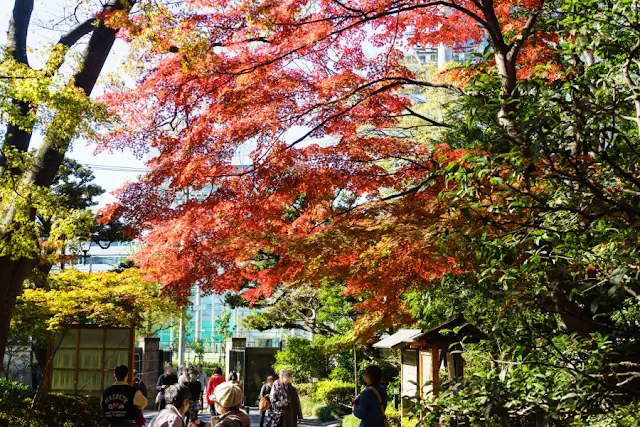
<point x="228" y="398"/>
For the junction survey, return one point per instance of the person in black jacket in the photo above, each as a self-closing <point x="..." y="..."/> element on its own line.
<point x="167" y="379"/>
<point x="139" y="384"/>
<point x="121" y="401"/>
<point x="196" y="392"/>
<point x="265" y="391"/>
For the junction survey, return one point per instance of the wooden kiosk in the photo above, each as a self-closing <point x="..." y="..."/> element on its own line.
<point x="423" y="353"/>
<point x="83" y="357"/>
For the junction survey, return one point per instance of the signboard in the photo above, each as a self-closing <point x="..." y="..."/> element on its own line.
<point x="82" y="357"/>
<point x="409" y="373"/>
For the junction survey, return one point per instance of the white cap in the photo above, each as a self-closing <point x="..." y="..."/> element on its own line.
<point x="228" y="395"/>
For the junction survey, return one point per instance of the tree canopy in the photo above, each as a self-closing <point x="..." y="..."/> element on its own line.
<point x="114" y="299"/>
<point x="521" y="209"/>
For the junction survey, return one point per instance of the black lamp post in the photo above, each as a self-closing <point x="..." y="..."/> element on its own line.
<point x="396" y="399"/>
<point x="85" y="247"/>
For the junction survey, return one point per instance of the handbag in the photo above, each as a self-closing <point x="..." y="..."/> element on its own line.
<point x="264" y="404"/>
<point x="384" y="416"/>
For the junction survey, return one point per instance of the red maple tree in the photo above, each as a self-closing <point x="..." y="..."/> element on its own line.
<point x="315" y="88"/>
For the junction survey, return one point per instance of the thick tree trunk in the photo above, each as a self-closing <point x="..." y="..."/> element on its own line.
<point x="12" y="275"/>
<point x="17" y="136"/>
<point x="48" y="159"/>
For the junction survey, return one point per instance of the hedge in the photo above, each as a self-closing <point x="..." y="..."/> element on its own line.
<point x="305" y="390"/>
<point x="50" y="410"/>
<point x="331" y="412"/>
<point x="334" y="392"/>
<point x="393" y="415"/>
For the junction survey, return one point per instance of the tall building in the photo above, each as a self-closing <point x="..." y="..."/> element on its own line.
<point x="202" y="316"/>
<point x="203" y="323"/>
<point x="439" y="55"/>
<point x="96" y="258"/>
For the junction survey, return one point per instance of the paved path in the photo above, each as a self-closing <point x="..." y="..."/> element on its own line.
<point x="206" y="416"/>
<point x="255" y="418"/>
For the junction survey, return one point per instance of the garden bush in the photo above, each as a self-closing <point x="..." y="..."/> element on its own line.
<point x="11" y="391"/>
<point x="333" y="392"/>
<point x="305" y="390"/>
<point x="309" y="406"/>
<point x="208" y="367"/>
<point x="394" y="416"/>
<point x="50" y="410"/>
<point x="331" y="412"/>
<point x="350" y="421"/>
<point x="410" y="421"/>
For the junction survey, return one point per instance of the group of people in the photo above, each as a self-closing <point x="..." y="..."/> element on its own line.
<point x="180" y="399"/>
<point x="194" y="379"/>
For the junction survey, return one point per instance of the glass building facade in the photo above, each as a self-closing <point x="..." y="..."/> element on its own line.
<point x="203" y="324"/>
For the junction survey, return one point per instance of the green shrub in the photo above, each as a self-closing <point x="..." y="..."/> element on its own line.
<point x="305" y="359"/>
<point x="55" y="410"/>
<point x="394" y="416"/>
<point x="305" y="390"/>
<point x="309" y="406"/>
<point x="350" y="421"/>
<point x="331" y="412"/>
<point x="208" y="367"/>
<point x="11" y="391"/>
<point x="410" y="421"/>
<point x="333" y="392"/>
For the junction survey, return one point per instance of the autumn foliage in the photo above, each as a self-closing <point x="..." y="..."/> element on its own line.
<point x="315" y="91"/>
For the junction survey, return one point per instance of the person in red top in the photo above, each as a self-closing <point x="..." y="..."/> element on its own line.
<point x="216" y="379"/>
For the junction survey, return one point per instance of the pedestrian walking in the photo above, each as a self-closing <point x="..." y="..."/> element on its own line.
<point x="202" y="377"/>
<point x="216" y="379"/>
<point x="121" y="402"/>
<point x="265" y="391"/>
<point x="370" y="406"/>
<point x="234" y="378"/>
<point x="178" y="402"/>
<point x="196" y="395"/>
<point x="139" y="384"/>
<point x="184" y="375"/>
<point x="286" y="410"/>
<point x="166" y="380"/>
<point x="228" y="398"/>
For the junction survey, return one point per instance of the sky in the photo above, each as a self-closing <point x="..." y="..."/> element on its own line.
<point x="111" y="170"/>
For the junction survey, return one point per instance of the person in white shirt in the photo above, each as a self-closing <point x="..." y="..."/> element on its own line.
<point x="203" y="379"/>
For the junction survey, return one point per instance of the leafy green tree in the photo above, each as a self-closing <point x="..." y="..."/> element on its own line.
<point x="304" y="358"/>
<point x="198" y="348"/>
<point x="50" y="100"/>
<point x="546" y="223"/>
<point x="224" y="326"/>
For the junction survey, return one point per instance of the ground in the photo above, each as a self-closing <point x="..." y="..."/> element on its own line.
<point x="255" y="418"/>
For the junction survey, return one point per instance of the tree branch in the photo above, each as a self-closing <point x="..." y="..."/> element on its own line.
<point x="426" y="119"/>
<point x="77" y="32"/>
<point x="17" y="32"/>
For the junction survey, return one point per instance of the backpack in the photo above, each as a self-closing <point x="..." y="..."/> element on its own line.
<point x="264" y="404"/>
<point x="384" y="416"/>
